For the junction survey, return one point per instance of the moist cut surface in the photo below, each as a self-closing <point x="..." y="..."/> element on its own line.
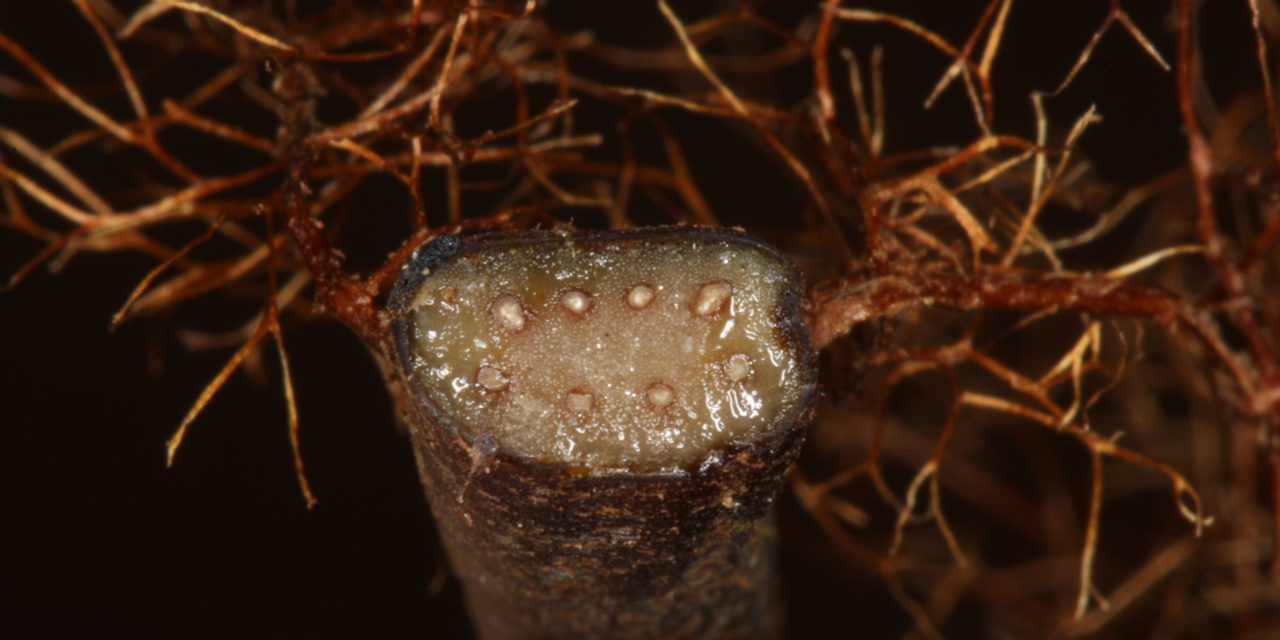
<point x="646" y="354"/>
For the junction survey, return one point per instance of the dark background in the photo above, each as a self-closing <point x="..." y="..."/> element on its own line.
<point x="98" y="537"/>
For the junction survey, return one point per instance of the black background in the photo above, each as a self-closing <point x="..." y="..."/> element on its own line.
<point x="98" y="537"/>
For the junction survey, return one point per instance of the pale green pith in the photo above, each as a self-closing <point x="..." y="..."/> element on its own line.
<point x="570" y="386"/>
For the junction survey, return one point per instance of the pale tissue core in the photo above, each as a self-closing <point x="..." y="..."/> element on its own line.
<point x="579" y="401"/>
<point x="660" y="395"/>
<point x="639" y="296"/>
<point x="578" y="302"/>
<point x="737" y="367"/>
<point x="491" y="379"/>
<point x="646" y="355"/>
<point x="711" y="298"/>
<point x="508" y="313"/>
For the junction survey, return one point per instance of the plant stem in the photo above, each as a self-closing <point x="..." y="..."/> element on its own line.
<point x="582" y="545"/>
